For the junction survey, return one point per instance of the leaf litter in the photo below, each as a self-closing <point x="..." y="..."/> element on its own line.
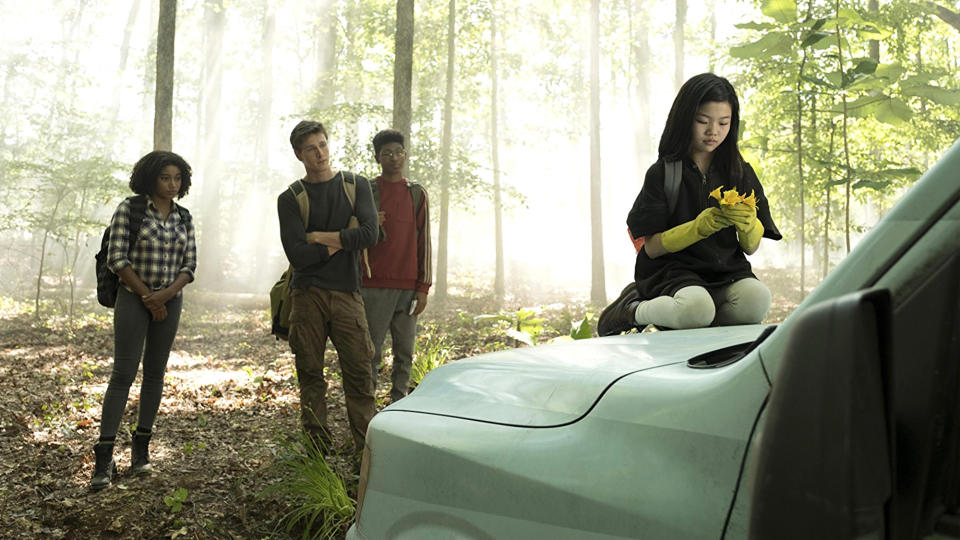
<point x="230" y="403"/>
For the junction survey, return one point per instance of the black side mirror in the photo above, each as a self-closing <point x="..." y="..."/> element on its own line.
<point x="824" y="467"/>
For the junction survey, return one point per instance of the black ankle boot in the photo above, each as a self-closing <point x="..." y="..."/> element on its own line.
<point x="105" y="468"/>
<point x="140" y="454"/>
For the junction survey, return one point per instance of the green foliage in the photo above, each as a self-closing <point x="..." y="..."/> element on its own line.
<point x="322" y="506"/>
<point x="432" y="352"/>
<point x="175" y="501"/>
<point x="582" y="329"/>
<point x="524" y="325"/>
<point x="860" y="121"/>
<point x="190" y="447"/>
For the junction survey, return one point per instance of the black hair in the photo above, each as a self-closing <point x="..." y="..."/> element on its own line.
<point x="384" y="137"/>
<point x="305" y="129"/>
<point x="143" y="179"/>
<point x="676" y="138"/>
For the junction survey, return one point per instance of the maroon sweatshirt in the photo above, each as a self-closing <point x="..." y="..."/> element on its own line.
<point x="402" y="260"/>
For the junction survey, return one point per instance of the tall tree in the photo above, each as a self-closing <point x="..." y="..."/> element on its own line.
<point x="214" y="17"/>
<point x="639" y="85"/>
<point x="445" y="147"/>
<point x="714" y="51"/>
<point x="403" y="69"/>
<point x="678" y="24"/>
<point x="264" y="121"/>
<point x="598" y="294"/>
<point x="946" y="15"/>
<point x="326" y="33"/>
<point x="124" y="54"/>
<point x="499" y="286"/>
<point x="163" y="104"/>
<point x="798" y="129"/>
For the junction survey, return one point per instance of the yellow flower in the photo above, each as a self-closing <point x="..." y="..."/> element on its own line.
<point x="751" y="201"/>
<point x="716" y="193"/>
<point x="730" y="198"/>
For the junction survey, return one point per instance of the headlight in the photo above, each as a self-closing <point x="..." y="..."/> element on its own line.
<point x="364" y="476"/>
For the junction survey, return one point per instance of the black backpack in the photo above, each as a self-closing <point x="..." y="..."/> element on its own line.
<point x="673" y="175"/>
<point x="107" y="281"/>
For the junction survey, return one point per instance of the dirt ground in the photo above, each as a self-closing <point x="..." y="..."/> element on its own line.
<point x="229" y="401"/>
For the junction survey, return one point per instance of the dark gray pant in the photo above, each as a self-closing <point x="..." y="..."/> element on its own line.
<point x="390" y="308"/>
<point x="135" y="335"/>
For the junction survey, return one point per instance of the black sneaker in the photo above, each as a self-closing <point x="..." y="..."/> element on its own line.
<point x="618" y="317"/>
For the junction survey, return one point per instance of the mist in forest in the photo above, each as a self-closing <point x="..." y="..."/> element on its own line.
<point x="78" y="82"/>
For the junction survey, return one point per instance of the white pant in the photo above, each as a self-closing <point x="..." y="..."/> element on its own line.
<point x="743" y="302"/>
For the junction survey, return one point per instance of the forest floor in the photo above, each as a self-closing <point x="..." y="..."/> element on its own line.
<point x="229" y="403"/>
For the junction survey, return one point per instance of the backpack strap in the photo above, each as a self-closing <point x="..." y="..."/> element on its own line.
<point x="299" y="193"/>
<point x="138" y="210"/>
<point x="303" y="200"/>
<point x="185" y="216"/>
<point x="416" y="193"/>
<point x="375" y="189"/>
<point x="350" y="189"/>
<point x="671" y="183"/>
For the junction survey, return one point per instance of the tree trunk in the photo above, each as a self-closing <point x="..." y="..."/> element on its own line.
<point x="598" y="293"/>
<point x="76" y="256"/>
<point x="846" y="145"/>
<point x="499" y="286"/>
<point x="122" y="67"/>
<point x="799" y="131"/>
<point x="640" y="101"/>
<point x="873" y="7"/>
<point x="326" y="54"/>
<point x="43" y="250"/>
<point x="403" y="73"/>
<point x="826" y="214"/>
<point x="681" y="19"/>
<point x="210" y="247"/>
<point x="946" y="15"/>
<point x="262" y="143"/>
<point x="714" y="50"/>
<point x="149" y="77"/>
<point x="8" y="78"/>
<point x="445" y="148"/>
<point x="163" y="101"/>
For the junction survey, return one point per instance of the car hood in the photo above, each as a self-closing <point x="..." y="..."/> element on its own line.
<point x="556" y="384"/>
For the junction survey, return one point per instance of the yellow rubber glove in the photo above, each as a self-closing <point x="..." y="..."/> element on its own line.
<point x="686" y="234"/>
<point x="749" y="228"/>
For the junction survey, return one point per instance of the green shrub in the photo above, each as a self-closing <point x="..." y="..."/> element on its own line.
<point x="431" y="354"/>
<point x="322" y="506"/>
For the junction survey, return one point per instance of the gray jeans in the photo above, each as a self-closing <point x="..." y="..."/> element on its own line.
<point x="136" y="336"/>
<point x="389" y="308"/>
<point x="743" y="302"/>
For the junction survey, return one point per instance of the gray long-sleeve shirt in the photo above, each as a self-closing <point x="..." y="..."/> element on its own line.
<point x="330" y="211"/>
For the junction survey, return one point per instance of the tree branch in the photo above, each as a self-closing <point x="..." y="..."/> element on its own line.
<point x="950" y="17"/>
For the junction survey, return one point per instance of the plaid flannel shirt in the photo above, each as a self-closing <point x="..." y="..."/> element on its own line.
<point x="163" y="248"/>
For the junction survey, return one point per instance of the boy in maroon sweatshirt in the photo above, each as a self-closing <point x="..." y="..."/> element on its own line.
<point x="396" y="291"/>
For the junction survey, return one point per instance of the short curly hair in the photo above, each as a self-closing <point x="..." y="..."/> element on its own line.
<point x="143" y="179"/>
<point x="386" y="136"/>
